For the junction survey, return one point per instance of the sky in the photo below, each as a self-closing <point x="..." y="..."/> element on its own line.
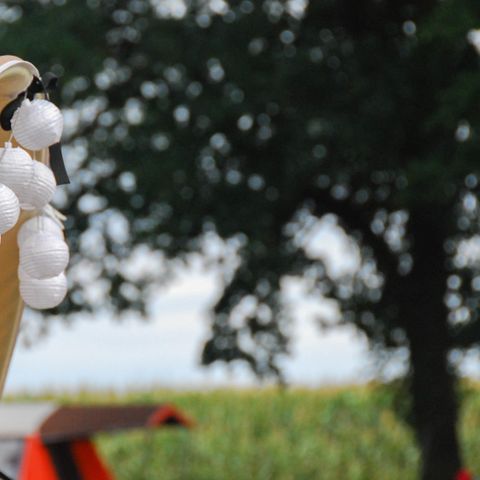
<point x="165" y="351"/>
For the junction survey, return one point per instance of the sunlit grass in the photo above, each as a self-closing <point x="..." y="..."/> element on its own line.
<point x="349" y="434"/>
<point x="266" y="434"/>
<point x="271" y="435"/>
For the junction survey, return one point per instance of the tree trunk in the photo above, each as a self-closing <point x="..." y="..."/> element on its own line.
<point x="434" y="406"/>
<point x="434" y="409"/>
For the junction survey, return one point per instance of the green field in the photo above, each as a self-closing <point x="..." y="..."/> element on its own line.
<point x="347" y="434"/>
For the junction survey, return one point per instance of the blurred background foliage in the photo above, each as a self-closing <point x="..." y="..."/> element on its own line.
<point x="232" y="130"/>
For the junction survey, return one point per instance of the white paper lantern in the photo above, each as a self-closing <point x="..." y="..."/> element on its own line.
<point x="22" y="275"/>
<point x="37" y="124"/>
<point x="9" y="209"/>
<point x="16" y="170"/>
<point x="41" y="188"/>
<point x="43" y="294"/>
<point x="44" y="255"/>
<point x="38" y="224"/>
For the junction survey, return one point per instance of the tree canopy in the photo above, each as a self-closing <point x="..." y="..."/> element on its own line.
<point x="250" y="122"/>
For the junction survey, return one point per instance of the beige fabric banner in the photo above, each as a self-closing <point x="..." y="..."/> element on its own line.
<point x="11" y="306"/>
<point x="15" y="76"/>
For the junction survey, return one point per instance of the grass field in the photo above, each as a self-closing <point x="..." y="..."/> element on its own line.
<point x="347" y="434"/>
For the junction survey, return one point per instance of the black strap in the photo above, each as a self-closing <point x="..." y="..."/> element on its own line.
<point x="49" y="83"/>
<point x="8" y="111"/>
<point x="57" y="164"/>
<point x="4" y="477"/>
<point x="63" y="461"/>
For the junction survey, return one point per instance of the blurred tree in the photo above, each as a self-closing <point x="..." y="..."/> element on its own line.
<point x="254" y="121"/>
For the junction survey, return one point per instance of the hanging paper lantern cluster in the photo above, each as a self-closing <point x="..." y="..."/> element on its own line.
<point x="31" y="181"/>
<point x="44" y="256"/>
<point x="30" y="185"/>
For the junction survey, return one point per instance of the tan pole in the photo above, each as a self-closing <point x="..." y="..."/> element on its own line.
<point x="15" y="76"/>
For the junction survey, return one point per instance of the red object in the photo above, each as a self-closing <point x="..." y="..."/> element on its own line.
<point x="88" y="461"/>
<point x="168" y="415"/>
<point x="464" y="475"/>
<point x="60" y="445"/>
<point x="36" y="462"/>
<point x="38" y="465"/>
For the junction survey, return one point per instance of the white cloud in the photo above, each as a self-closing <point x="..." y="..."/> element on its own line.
<point x="165" y="352"/>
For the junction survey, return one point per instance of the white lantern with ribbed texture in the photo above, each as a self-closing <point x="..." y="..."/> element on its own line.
<point x="43" y="294"/>
<point x="44" y="255"/>
<point x="16" y="170"/>
<point x="22" y="275"/>
<point x="41" y="189"/>
<point x="37" y="124"/>
<point x="38" y="224"/>
<point x="9" y="209"/>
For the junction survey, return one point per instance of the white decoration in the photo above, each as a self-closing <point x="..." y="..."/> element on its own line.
<point x="9" y="209"/>
<point x="37" y="124"/>
<point x="16" y="170"/>
<point x="43" y="294"/>
<point x="41" y="188"/>
<point x="44" y="255"/>
<point x="38" y="224"/>
<point x="22" y="275"/>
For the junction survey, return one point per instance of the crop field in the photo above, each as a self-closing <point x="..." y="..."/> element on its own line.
<point x="348" y="434"/>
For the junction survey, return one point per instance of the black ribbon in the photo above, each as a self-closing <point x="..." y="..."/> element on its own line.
<point x="4" y="477"/>
<point x="45" y="85"/>
<point x="57" y="164"/>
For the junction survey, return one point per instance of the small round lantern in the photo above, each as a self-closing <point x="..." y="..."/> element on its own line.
<point x="9" y="209"/>
<point x="44" y="255"/>
<point x="37" y="124"/>
<point x="39" y="224"/>
<point x="16" y="170"/>
<point x="22" y="275"/>
<point x="41" y="188"/>
<point x="43" y="294"/>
